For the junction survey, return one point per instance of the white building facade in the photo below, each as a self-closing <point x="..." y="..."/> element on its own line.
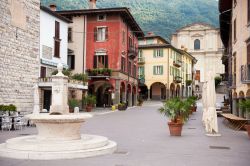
<point x="203" y="42"/>
<point x="53" y="41"/>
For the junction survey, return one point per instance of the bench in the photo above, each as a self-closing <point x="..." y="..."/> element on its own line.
<point x="235" y="122"/>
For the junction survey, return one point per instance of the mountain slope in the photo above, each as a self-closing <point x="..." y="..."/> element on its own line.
<point x="160" y="16"/>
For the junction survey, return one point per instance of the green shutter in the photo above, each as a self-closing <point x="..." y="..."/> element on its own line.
<point x="161" y="53"/>
<point x="161" y="70"/>
<point x="154" y="70"/>
<point x="154" y="53"/>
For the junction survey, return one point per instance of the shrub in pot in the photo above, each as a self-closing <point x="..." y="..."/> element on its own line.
<point x="122" y="106"/>
<point x="177" y="111"/>
<point x="192" y="101"/>
<point x="140" y="101"/>
<point x="89" y="101"/>
<point x="72" y="104"/>
<point x="246" y="106"/>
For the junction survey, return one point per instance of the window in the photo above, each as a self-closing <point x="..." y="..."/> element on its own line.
<point x="100" y="61"/>
<point x="197" y="75"/>
<point x="101" y="17"/>
<point x="71" y="61"/>
<point x="130" y="42"/>
<point x="248" y="11"/>
<point x="158" y="53"/>
<point x="158" y="70"/>
<point x="248" y="53"/>
<point x="171" y="70"/>
<point x="123" y="64"/>
<point x="140" y="54"/>
<point x="141" y="71"/>
<point x="129" y="68"/>
<point x="70" y="34"/>
<point x="197" y="44"/>
<point x="57" y="40"/>
<point x="101" y="33"/>
<point x="123" y="37"/>
<point x="150" y="41"/>
<point x="134" y="71"/>
<point x="43" y="72"/>
<point x="235" y="30"/>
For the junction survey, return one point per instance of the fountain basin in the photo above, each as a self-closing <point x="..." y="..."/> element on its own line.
<point x="58" y="127"/>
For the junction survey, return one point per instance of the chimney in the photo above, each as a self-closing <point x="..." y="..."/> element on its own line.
<point x="150" y="33"/>
<point x="92" y="4"/>
<point x="52" y="7"/>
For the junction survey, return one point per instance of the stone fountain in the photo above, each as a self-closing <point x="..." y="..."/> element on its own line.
<point x="59" y="134"/>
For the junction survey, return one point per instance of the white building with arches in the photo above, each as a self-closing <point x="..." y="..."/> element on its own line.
<point x="203" y="42"/>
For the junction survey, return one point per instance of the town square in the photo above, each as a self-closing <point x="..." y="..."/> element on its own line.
<point x="124" y="83"/>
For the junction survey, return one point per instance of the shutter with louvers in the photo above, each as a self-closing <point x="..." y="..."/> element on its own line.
<point x="106" y="33"/>
<point x="95" y="34"/>
<point x="154" y="53"/>
<point x="95" y="62"/>
<point x="248" y="54"/>
<point x="154" y="70"/>
<point x="161" y="52"/>
<point x="106" y="61"/>
<point x="72" y="61"/>
<point x="161" y="70"/>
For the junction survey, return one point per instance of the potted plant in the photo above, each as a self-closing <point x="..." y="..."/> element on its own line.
<point x="89" y="102"/>
<point x="72" y="104"/>
<point x="246" y="106"/>
<point x="192" y="101"/>
<point x="140" y="101"/>
<point x="176" y="110"/>
<point x="122" y="106"/>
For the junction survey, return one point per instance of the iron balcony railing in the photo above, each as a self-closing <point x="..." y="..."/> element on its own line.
<point x="177" y="63"/>
<point x="245" y="74"/>
<point x="141" y="60"/>
<point x="132" y="52"/>
<point x="177" y="79"/>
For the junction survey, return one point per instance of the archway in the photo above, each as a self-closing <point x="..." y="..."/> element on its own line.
<point x="158" y="91"/>
<point x="143" y="91"/>
<point x="122" y="92"/>
<point x="178" y="89"/>
<point x="172" y="90"/>
<point x="129" y="95"/>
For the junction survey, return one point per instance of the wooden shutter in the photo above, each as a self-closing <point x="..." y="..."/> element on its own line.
<point x="248" y="53"/>
<point x="154" y="52"/>
<point x="43" y="72"/>
<point x="161" y="70"/>
<point x="106" y="33"/>
<point x="95" y="34"/>
<point x="248" y="11"/>
<point x="72" y="61"/>
<point x="57" y="30"/>
<point x="161" y="52"/>
<point x="154" y="68"/>
<point x="95" y="62"/>
<point x="235" y="30"/>
<point x="106" y="61"/>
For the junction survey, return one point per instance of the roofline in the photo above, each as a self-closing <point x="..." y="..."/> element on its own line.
<point x="53" y="13"/>
<point x="202" y="23"/>
<point x="160" y="46"/>
<point x="155" y="36"/>
<point x="102" y="10"/>
<point x="185" y="52"/>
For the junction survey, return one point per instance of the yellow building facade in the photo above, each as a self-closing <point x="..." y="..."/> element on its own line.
<point x="163" y="69"/>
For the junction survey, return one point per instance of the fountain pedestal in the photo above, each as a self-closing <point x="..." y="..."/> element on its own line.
<point x="59" y="135"/>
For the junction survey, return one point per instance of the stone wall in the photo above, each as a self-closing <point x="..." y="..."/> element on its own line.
<point x="19" y="52"/>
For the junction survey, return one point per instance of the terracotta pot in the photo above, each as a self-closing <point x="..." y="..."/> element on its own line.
<point x="175" y="128"/>
<point x="88" y="108"/>
<point x="247" y="127"/>
<point x="71" y="110"/>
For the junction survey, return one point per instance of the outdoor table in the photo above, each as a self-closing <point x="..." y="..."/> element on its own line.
<point x="13" y="121"/>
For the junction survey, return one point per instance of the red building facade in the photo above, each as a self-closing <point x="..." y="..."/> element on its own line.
<point x="112" y="44"/>
<point x="111" y="51"/>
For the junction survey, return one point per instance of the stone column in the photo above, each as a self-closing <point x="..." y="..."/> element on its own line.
<point x="117" y="92"/>
<point x="135" y="98"/>
<point x="247" y="114"/>
<point x="235" y="106"/>
<point x="130" y="99"/>
<point x="149" y="94"/>
<point x="241" y="110"/>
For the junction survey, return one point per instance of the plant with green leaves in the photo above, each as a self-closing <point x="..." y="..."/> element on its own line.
<point x="245" y="104"/>
<point x="188" y="82"/>
<point x="89" y="100"/>
<point x="217" y="81"/>
<point x="73" y="103"/>
<point x="174" y="108"/>
<point x="66" y="72"/>
<point x="80" y="77"/>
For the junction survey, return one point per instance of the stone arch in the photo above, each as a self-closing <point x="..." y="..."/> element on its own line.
<point x="177" y="91"/>
<point x="129" y="95"/>
<point x="248" y="93"/>
<point x="235" y="95"/>
<point x="172" y="90"/>
<point x="241" y="94"/>
<point x="157" y="91"/>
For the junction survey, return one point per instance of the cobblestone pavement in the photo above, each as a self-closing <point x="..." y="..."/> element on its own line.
<point x="143" y="140"/>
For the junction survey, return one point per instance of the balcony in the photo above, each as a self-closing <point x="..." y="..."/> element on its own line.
<point x="141" y="79"/>
<point x="245" y="74"/>
<point x="72" y="83"/>
<point x="99" y="73"/>
<point x="177" y="79"/>
<point x="141" y="60"/>
<point x="177" y="63"/>
<point x="132" y="52"/>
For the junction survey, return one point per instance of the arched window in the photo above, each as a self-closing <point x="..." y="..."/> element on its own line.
<point x="197" y="44"/>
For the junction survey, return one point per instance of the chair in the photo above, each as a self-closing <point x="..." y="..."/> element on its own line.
<point x="6" y="123"/>
<point x="20" y="122"/>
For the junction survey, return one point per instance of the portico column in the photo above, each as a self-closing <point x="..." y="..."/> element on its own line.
<point x="117" y="92"/>
<point x="135" y="98"/>
<point x="241" y="109"/>
<point x="235" y="106"/>
<point x="149" y="94"/>
<point x="130" y="99"/>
